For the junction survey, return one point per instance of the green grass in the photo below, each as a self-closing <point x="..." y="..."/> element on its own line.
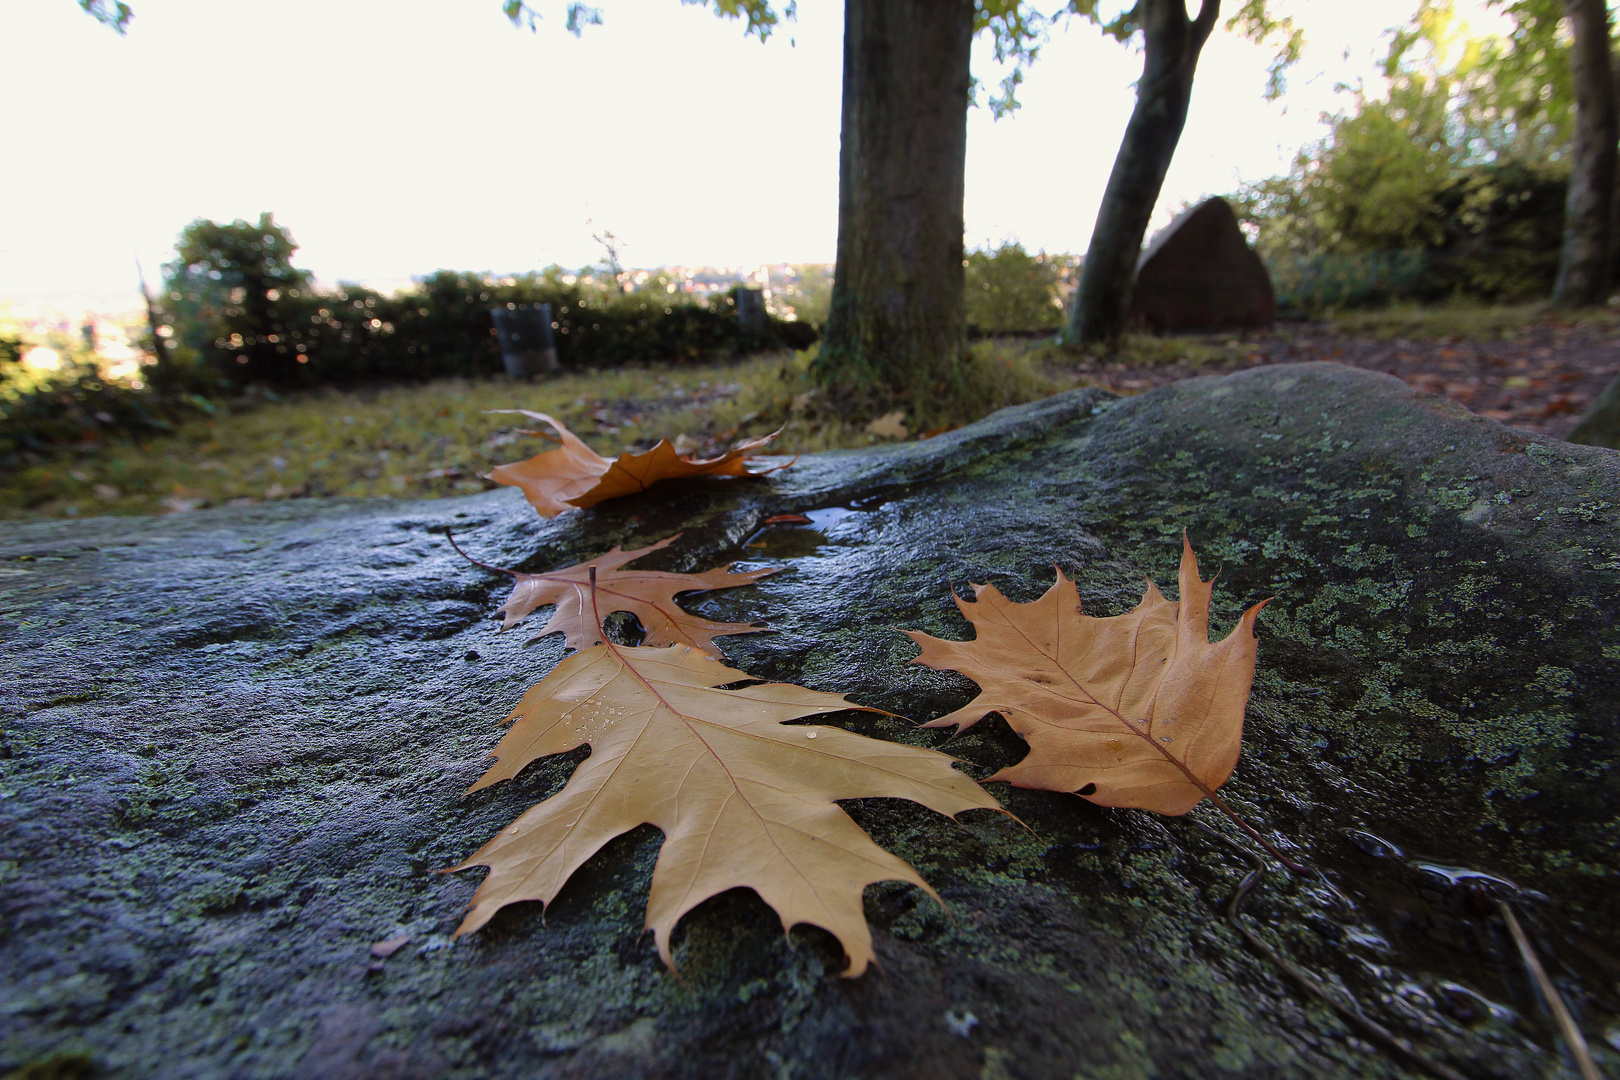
<point x="1148" y="350"/>
<point x="437" y="439"/>
<point x="1465" y="320"/>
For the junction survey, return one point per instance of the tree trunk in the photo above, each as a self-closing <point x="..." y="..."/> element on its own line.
<point x="1173" y="43"/>
<point x="160" y="348"/>
<point x="897" y="331"/>
<point x="1583" y="267"/>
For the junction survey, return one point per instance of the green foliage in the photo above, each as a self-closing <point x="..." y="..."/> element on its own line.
<point x="1464" y="319"/>
<point x="579" y="16"/>
<point x="115" y="15"/>
<point x="1254" y="21"/>
<point x="1336" y="281"/>
<point x="1018" y="30"/>
<point x="995" y="375"/>
<point x="807" y="291"/>
<point x="234" y="297"/>
<point x="77" y="406"/>
<point x="1486" y="97"/>
<point x="1011" y="291"/>
<point x="761" y="18"/>
<point x="244" y="315"/>
<point x="1451" y="185"/>
<point x="1017" y="33"/>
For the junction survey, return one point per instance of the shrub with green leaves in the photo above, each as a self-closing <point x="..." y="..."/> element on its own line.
<point x="76" y="406"/>
<point x="1010" y="291"/>
<point x="243" y="312"/>
<point x="1451" y="185"/>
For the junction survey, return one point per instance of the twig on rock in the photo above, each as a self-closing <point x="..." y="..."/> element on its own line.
<point x="1351" y="1014"/>
<point x="1549" y="993"/>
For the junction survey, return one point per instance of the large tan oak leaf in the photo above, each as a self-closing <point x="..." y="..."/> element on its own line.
<point x="1139" y="710"/>
<point x="649" y="595"/>
<point x="575" y="476"/>
<point x="743" y="799"/>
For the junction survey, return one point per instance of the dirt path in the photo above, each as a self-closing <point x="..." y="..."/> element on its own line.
<point x="1541" y="379"/>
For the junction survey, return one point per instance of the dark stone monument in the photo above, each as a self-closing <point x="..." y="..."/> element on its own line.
<point x="234" y="747"/>
<point x="750" y="309"/>
<point x="527" y="347"/>
<point x="1201" y="274"/>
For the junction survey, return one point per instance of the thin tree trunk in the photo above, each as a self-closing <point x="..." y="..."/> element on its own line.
<point x="1614" y="200"/>
<point x="1173" y="43"/>
<point x="160" y="349"/>
<point x="1583" y="267"/>
<point x="897" y="331"/>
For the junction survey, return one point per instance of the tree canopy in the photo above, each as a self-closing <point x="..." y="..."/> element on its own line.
<point x="115" y="15"/>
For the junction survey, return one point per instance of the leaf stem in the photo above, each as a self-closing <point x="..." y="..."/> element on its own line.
<point x="539" y="434"/>
<point x="448" y="535"/>
<point x="1209" y="793"/>
<point x="1237" y="819"/>
<point x="595" y="612"/>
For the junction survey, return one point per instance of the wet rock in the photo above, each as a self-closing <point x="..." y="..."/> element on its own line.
<point x="235" y="744"/>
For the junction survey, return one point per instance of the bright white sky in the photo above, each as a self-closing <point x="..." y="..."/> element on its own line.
<point x="394" y="139"/>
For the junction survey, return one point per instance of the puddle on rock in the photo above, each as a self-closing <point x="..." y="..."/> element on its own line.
<point x="796" y="540"/>
<point x="1461" y="876"/>
<point x="1374" y="845"/>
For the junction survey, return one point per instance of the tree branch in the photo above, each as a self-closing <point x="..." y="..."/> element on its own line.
<point x="1208" y="12"/>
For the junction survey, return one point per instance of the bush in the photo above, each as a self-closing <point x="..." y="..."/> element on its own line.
<point x="76" y="406"/>
<point x="804" y="293"/>
<point x="1355" y="227"/>
<point x="1011" y="291"/>
<point x="1451" y="186"/>
<point x="245" y="315"/>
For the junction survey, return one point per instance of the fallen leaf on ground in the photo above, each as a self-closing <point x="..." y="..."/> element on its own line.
<point x="788" y="519"/>
<point x="649" y="595"/>
<point x="888" y="426"/>
<point x="382" y="950"/>
<point x="743" y="798"/>
<point x="575" y="476"/>
<point x="1138" y="710"/>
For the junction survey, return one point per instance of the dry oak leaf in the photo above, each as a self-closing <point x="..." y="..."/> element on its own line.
<point x="743" y="799"/>
<point x="649" y="595"/>
<point x="1138" y="710"/>
<point x="573" y="475"/>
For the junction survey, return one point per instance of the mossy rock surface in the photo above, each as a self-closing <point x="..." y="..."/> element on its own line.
<point x="235" y="745"/>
